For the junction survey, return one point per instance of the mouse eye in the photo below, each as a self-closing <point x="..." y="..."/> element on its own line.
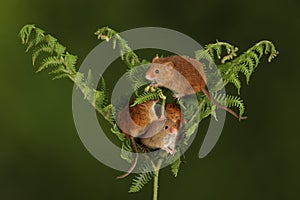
<point x="156" y="71"/>
<point x="166" y="127"/>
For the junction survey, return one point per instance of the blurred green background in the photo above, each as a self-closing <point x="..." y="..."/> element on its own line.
<point x="41" y="156"/>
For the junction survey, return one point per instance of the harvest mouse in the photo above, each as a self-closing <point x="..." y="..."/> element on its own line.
<point x="133" y="121"/>
<point x="185" y="76"/>
<point x="173" y="113"/>
<point x="165" y="139"/>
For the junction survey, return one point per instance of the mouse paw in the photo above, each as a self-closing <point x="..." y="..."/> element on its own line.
<point x="169" y="151"/>
<point x="154" y="85"/>
<point x="177" y="96"/>
<point x="173" y="151"/>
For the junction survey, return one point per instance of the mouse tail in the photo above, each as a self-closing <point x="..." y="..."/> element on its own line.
<point x="206" y="93"/>
<point x="136" y="156"/>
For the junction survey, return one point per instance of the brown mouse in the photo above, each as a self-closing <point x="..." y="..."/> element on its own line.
<point x="167" y="71"/>
<point x="133" y="122"/>
<point x="165" y="139"/>
<point x="173" y="112"/>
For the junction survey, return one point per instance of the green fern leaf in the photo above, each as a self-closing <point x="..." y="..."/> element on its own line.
<point x="70" y="61"/>
<point x="102" y="84"/>
<point x="126" y="151"/>
<point x="141" y="179"/>
<point x="117" y="132"/>
<point x="146" y="96"/>
<point x="30" y="45"/>
<point x="50" y="40"/>
<point x="50" y="61"/>
<point x="234" y="79"/>
<point x="59" y="49"/>
<point x="38" y="51"/>
<point x="234" y="101"/>
<point x="247" y="62"/>
<point x="230" y="101"/>
<point x="127" y="55"/>
<point x="217" y="48"/>
<point x="25" y="33"/>
<point x="100" y="99"/>
<point x="175" y="167"/>
<point x="39" y="36"/>
<point x="58" y="70"/>
<point x="60" y="76"/>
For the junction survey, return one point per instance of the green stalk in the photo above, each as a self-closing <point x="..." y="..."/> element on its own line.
<point x="155" y="178"/>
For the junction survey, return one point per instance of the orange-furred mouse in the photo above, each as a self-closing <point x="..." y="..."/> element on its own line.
<point x="173" y="112"/>
<point x="133" y="121"/>
<point x="185" y="76"/>
<point x="166" y="138"/>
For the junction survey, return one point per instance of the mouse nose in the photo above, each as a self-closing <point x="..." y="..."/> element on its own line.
<point x="174" y="130"/>
<point x="148" y="77"/>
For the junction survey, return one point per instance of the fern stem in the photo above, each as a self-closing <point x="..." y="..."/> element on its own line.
<point x="155" y="178"/>
<point x="100" y="111"/>
<point x="155" y="184"/>
<point x="163" y="107"/>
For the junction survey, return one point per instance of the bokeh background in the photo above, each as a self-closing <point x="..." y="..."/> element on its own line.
<point x="41" y="156"/>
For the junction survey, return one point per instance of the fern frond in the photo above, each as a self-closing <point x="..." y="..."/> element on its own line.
<point x="115" y="130"/>
<point x="43" y="48"/>
<point x="175" y="167"/>
<point x="193" y="120"/>
<point x="216" y="48"/>
<point x="247" y="62"/>
<point x="25" y="33"/>
<point x="36" y="39"/>
<point x="100" y="99"/>
<point x="126" y="151"/>
<point x="146" y="96"/>
<point x="141" y="179"/>
<point x="137" y="77"/>
<point x="127" y="55"/>
<point x="205" y="108"/>
<point x="102" y="84"/>
<point x="204" y="55"/>
<point x="70" y="61"/>
<point x="101" y="95"/>
<point x="59" y="76"/>
<point x="62" y="65"/>
<point x="58" y="70"/>
<point x="230" y="101"/>
<point x="53" y="61"/>
<point x="234" y="101"/>
<point x="234" y="79"/>
<point x="108" y="113"/>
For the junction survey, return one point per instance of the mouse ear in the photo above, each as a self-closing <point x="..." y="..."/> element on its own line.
<point x="155" y="58"/>
<point x="169" y="65"/>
